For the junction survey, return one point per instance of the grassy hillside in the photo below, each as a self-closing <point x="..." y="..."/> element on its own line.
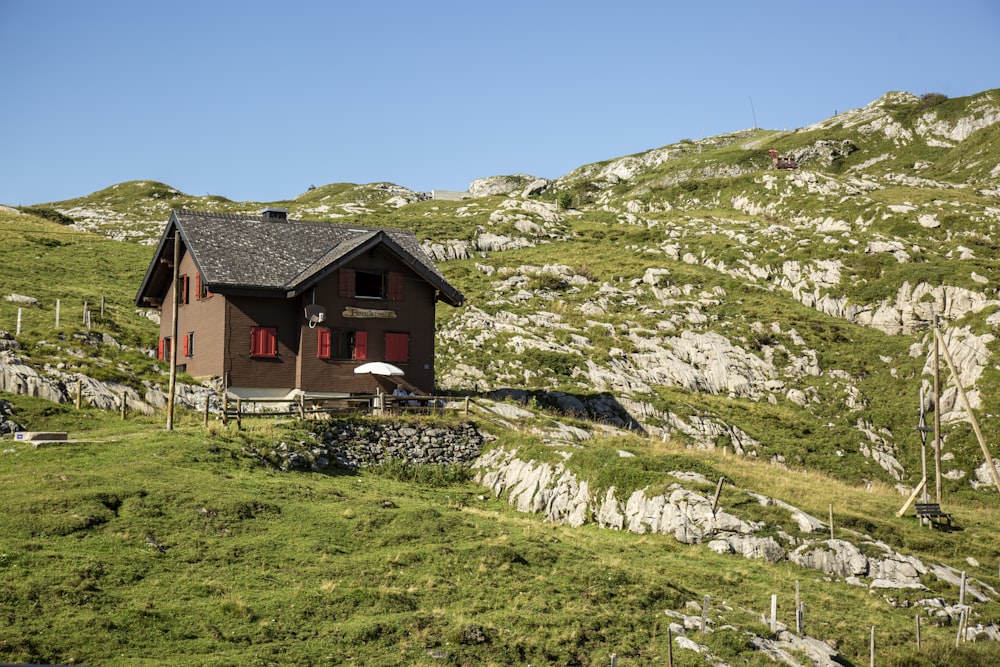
<point x="60" y="267"/>
<point x="141" y="547"/>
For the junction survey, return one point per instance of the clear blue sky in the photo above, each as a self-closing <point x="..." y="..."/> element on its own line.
<point x="258" y="100"/>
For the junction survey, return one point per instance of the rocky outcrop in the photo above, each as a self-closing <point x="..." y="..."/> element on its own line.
<point x="552" y="490"/>
<point x="17" y="377"/>
<point x="59" y="386"/>
<point x="500" y="185"/>
<point x="824" y="152"/>
<point x="836" y="557"/>
<point x="7" y="423"/>
<point x="21" y="300"/>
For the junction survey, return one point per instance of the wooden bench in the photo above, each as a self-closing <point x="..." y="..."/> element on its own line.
<point x="931" y="511"/>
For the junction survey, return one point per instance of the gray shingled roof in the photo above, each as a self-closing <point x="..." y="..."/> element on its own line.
<point x="238" y="252"/>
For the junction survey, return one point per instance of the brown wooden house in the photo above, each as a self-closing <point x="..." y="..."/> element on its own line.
<point x="273" y="305"/>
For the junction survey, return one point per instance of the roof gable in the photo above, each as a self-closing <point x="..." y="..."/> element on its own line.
<point x="241" y="254"/>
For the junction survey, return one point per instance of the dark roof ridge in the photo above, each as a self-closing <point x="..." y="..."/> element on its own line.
<point x="213" y="214"/>
<point x="259" y="218"/>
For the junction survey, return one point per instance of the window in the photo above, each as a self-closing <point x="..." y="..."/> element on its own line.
<point x="200" y="288"/>
<point x="397" y="346"/>
<point x="263" y="342"/>
<point x="189" y="344"/>
<point x="372" y="285"/>
<point x="163" y="349"/>
<point x="183" y="289"/>
<point x="369" y="285"/>
<point x="341" y="344"/>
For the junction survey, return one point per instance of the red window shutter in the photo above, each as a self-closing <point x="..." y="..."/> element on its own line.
<point x="346" y="282"/>
<point x="263" y="342"/>
<point x="197" y="287"/>
<point x="187" y="345"/>
<point x="184" y="289"/>
<point x="323" y="345"/>
<point x="397" y="347"/>
<point x="360" y="345"/>
<point x="397" y="286"/>
<point x="160" y="349"/>
<point x="255" y="342"/>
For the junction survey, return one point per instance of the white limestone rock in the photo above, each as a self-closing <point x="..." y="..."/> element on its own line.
<point x="835" y="557"/>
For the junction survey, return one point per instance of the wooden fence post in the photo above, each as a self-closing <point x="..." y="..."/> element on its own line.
<point x="466" y="406"/>
<point x="774" y="613"/>
<point x="831" y="521"/>
<point x="206" y="410"/>
<point x="961" y="591"/>
<point x="18" y="322"/>
<point x="57" y="313"/>
<point x="918" y="633"/>
<point x="704" y="615"/>
<point x="718" y="490"/>
<point x="302" y="406"/>
<point x="124" y="405"/>
<point x="670" y="647"/>
<point x="798" y="610"/>
<point x="79" y="394"/>
<point x="239" y="414"/>
<point x="872" y="650"/>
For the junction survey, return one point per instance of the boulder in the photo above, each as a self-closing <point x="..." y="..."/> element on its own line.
<point x="7" y="424"/>
<point x="22" y="300"/>
<point x="537" y="186"/>
<point x="835" y="557"/>
<point x="16" y="377"/>
<point x="500" y="185"/>
<point x="8" y="342"/>
<point x="609" y="514"/>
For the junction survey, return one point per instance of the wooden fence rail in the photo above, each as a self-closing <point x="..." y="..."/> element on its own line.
<point x="306" y="406"/>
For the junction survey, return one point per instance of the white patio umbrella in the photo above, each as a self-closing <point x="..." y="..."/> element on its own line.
<point x="379" y="368"/>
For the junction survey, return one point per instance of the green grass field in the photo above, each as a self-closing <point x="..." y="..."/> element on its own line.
<point x="138" y="546"/>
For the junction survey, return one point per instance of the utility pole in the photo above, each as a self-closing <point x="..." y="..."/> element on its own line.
<point x="937" y="413"/>
<point x="173" y="330"/>
<point x="923" y="429"/>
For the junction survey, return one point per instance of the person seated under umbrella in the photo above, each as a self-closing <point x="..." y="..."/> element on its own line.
<point x="402" y="391"/>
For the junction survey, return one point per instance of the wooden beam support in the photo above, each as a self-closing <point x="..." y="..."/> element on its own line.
<point x="968" y="409"/>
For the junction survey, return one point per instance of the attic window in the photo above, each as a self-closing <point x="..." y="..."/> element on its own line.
<point x="369" y="285"/>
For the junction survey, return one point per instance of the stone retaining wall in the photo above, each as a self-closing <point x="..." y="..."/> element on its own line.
<point x="352" y="445"/>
